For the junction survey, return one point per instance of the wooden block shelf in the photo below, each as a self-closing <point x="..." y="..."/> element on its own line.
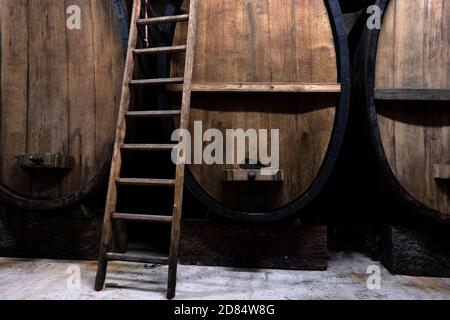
<point x="441" y="171"/>
<point x="240" y="175"/>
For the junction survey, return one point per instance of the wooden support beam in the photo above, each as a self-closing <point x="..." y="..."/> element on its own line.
<point x="260" y="87"/>
<point x="412" y="94"/>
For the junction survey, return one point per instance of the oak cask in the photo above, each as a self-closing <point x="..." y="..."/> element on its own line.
<point x="404" y="76"/>
<point x="272" y="64"/>
<point x="61" y="75"/>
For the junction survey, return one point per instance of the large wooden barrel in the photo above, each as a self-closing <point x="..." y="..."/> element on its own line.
<point x="273" y="64"/>
<point x="404" y="69"/>
<point x="61" y="76"/>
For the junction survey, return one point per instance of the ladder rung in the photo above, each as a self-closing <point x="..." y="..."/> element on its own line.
<point x="159" y="81"/>
<point x="140" y="258"/>
<point x="145" y="182"/>
<point x="149" y="147"/>
<point x="160" y="50"/>
<point x="141" y="217"/>
<point x="149" y="114"/>
<point x="165" y="19"/>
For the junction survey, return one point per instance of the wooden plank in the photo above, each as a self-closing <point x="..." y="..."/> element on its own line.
<point x="384" y="77"/>
<point x="322" y="45"/>
<point x="107" y="93"/>
<point x="409" y="36"/>
<point x="48" y="112"/>
<point x="281" y="38"/>
<point x="260" y="87"/>
<point x="437" y="119"/>
<point x="410" y="142"/>
<point x="441" y="171"/>
<point x="82" y="98"/>
<point x="240" y="175"/>
<point x="229" y="43"/>
<point x="48" y="56"/>
<point x="413" y="94"/>
<point x="302" y="40"/>
<point x="436" y="45"/>
<point x="13" y="91"/>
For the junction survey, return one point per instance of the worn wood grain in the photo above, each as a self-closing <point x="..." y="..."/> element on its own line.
<point x="412" y="94"/>
<point x="441" y="171"/>
<point x="278" y="49"/>
<point x="14" y="91"/>
<point x="413" y="60"/>
<point x="261" y="87"/>
<point x="59" y="92"/>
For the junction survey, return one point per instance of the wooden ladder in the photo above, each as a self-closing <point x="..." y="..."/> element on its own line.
<point x="119" y="145"/>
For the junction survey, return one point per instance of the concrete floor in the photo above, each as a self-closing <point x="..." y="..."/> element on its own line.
<point x="346" y="279"/>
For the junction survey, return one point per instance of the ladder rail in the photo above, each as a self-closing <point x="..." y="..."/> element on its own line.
<point x="116" y="163"/>
<point x="180" y="169"/>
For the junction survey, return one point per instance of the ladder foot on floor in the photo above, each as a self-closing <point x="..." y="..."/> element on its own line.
<point x="101" y="275"/>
